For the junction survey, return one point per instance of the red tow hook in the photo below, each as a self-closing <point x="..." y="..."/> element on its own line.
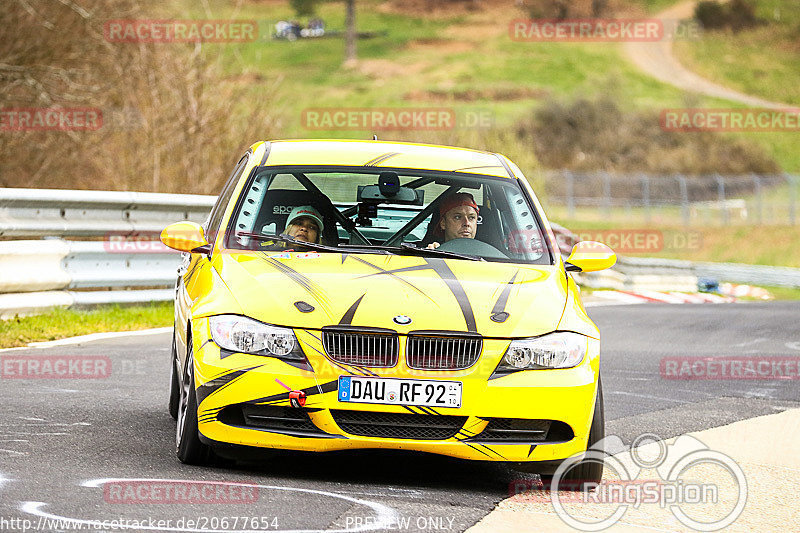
<point x="297" y="398"/>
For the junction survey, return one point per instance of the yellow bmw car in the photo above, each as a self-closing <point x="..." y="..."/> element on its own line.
<point x="365" y="294"/>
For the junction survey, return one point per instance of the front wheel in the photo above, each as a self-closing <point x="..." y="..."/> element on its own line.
<point x="589" y="471"/>
<point x="175" y="387"/>
<point x="584" y="471"/>
<point x="188" y="447"/>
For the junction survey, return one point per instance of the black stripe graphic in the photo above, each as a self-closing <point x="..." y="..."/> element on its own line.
<point x="210" y="387"/>
<point x="338" y="365"/>
<point x="310" y="391"/>
<point x="499" y="313"/>
<point x="476" y="449"/>
<point x="390" y="273"/>
<point x="491" y="450"/>
<point x="308" y="285"/>
<point x="347" y="318"/>
<point x="533" y="447"/>
<point x="367" y="371"/>
<point x="380" y="159"/>
<point x="444" y="272"/>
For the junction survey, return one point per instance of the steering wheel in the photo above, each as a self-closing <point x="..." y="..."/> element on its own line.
<point x="472" y="247"/>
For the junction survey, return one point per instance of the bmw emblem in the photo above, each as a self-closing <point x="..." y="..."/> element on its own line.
<point x="402" y="320"/>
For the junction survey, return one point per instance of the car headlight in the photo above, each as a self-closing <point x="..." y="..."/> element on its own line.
<point x="241" y="334"/>
<point x="562" y="349"/>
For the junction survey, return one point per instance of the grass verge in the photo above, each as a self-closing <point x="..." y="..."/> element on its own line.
<point x="62" y="323"/>
<point x="782" y="293"/>
<point x="763" y="60"/>
<point x="754" y="245"/>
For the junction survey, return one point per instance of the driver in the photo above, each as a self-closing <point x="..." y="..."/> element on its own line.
<point x="458" y="217"/>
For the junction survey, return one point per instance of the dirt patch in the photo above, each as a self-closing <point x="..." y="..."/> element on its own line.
<point x="495" y="94"/>
<point x="440" y="46"/>
<point x="247" y="78"/>
<point x="434" y="8"/>
<point x="384" y="68"/>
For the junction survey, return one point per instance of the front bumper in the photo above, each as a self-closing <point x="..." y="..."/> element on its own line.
<point x="227" y="383"/>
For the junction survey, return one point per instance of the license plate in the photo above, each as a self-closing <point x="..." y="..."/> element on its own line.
<point x="393" y="391"/>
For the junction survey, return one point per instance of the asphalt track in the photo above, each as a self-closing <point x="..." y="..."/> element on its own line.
<point x="60" y="438"/>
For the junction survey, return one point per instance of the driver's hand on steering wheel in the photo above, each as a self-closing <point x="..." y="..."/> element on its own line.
<point x="433" y="245"/>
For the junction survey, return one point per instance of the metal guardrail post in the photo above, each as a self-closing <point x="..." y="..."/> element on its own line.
<point x="607" y="193"/>
<point x="721" y="197"/>
<point x="684" y="199"/>
<point x="570" y="194"/>
<point x="759" y="199"/>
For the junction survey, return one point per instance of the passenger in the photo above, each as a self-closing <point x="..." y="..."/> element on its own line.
<point x="304" y="224"/>
<point x="458" y="217"/>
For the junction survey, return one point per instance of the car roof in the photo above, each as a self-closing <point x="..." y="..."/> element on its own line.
<point x="384" y="154"/>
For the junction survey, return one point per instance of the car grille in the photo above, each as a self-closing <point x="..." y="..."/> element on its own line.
<point x="398" y="425"/>
<point x="377" y="348"/>
<point x="524" y="430"/>
<point x="431" y="351"/>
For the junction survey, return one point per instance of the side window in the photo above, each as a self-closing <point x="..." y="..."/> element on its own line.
<point x="525" y="240"/>
<point x="214" y="219"/>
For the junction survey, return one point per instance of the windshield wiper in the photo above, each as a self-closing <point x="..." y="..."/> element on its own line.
<point x="408" y="247"/>
<point x="314" y="246"/>
<point x="287" y="239"/>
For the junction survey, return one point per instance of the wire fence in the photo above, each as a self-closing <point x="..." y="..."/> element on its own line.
<point x="685" y="200"/>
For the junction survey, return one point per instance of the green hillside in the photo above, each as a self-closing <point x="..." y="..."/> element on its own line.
<point x="465" y="60"/>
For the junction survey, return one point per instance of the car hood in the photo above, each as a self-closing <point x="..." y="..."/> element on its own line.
<point x="493" y="299"/>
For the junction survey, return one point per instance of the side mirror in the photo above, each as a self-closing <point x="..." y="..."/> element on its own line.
<point x="186" y="237"/>
<point x="590" y="256"/>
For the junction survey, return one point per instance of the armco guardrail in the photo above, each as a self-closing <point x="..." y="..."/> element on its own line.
<point x="733" y="272"/>
<point x="46" y="212"/>
<point x="676" y="275"/>
<point x="38" y="275"/>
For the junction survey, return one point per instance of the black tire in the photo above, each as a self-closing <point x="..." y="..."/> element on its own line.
<point x="188" y="447"/>
<point x="589" y="471"/>
<point x="175" y="387"/>
<point x="585" y="471"/>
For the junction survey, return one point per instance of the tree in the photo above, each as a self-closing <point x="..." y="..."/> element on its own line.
<point x="350" y="37"/>
<point x="304" y="8"/>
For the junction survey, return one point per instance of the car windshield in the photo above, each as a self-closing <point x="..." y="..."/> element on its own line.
<point x="390" y="211"/>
